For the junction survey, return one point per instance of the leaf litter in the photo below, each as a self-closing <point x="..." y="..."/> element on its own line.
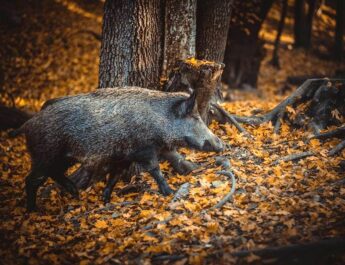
<point x="274" y="203"/>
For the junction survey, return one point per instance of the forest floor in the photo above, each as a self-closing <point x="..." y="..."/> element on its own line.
<point x="275" y="204"/>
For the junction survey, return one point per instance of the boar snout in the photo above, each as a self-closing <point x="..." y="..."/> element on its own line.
<point x="215" y="145"/>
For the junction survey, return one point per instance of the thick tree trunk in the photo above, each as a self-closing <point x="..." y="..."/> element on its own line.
<point x="213" y="17"/>
<point x="309" y="22"/>
<point x="132" y="43"/>
<point x="244" y="50"/>
<point x="275" y="57"/>
<point x="180" y="28"/>
<point x="339" y="31"/>
<point x="304" y="23"/>
<point x="299" y="22"/>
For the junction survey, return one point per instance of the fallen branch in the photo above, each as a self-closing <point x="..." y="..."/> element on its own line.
<point x="182" y="192"/>
<point x="337" y="148"/>
<point x="333" y="244"/>
<point x="338" y="132"/>
<point x="293" y="157"/>
<point x="228" y="196"/>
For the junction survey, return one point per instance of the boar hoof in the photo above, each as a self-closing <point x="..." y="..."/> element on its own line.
<point x="185" y="167"/>
<point x="106" y="196"/>
<point x="166" y="190"/>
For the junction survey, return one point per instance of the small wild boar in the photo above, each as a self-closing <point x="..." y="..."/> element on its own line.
<point x="111" y="126"/>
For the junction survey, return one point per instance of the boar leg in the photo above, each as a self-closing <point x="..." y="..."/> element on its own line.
<point x="109" y="188"/>
<point x="33" y="181"/>
<point x="81" y="177"/>
<point x="67" y="184"/>
<point x="148" y="159"/>
<point x="177" y="161"/>
<point x="163" y="186"/>
<point x="57" y="173"/>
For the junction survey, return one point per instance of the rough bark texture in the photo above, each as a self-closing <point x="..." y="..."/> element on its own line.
<point x="213" y="18"/>
<point x="131" y="51"/>
<point x="339" y="31"/>
<point x="244" y="50"/>
<point x="180" y="27"/>
<point x="199" y="75"/>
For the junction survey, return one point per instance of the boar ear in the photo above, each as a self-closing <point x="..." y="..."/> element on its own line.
<point x="186" y="106"/>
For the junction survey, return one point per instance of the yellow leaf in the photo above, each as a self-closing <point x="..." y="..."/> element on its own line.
<point x="101" y="224"/>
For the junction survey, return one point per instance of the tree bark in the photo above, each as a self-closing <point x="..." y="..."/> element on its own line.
<point x="213" y="17"/>
<point x="180" y="30"/>
<point x="244" y="50"/>
<point x="132" y="43"/>
<point x="339" y="31"/>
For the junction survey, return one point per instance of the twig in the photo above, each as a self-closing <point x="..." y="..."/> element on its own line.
<point x="231" y="119"/>
<point x="181" y="193"/>
<point x="165" y="221"/>
<point x="293" y="157"/>
<point x="337" y="148"/>
<point x="108" y="207"/>
<point x="338" y="132"/>
<point x="228" y="196"/>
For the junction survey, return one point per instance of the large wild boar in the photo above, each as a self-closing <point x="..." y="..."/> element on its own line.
<point x="112" y="126"/>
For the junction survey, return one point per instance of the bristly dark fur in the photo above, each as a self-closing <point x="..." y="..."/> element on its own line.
<point x="108" y="125"/>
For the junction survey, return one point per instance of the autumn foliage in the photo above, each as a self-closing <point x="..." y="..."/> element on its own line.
<point x="276" y="203"/>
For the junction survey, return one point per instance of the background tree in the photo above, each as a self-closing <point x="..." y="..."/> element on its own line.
<point x="244" y="50"/>
<point x="339" y="31"/>
<point x="275" y="56"/>
<point x="304" y="14"/>
<point x="212" y="26"/>
<point x="180" y="28"/>
<point x="132" y="43"/>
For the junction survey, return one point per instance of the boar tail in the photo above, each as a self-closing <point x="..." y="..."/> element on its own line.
<point x="14" y="133"/>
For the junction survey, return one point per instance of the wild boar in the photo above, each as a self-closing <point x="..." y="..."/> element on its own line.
<point x="111" y="126"/>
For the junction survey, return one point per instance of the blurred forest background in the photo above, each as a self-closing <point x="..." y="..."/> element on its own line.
<point x="52" y="48"/>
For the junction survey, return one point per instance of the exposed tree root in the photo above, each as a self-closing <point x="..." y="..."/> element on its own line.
<point x="231" y="119"/>
<point x="337" y="148"/>
<point x="338" y="133"/>
<point x="327" y="245"/>
<point x="293" y="157"/>
<point x="316" y="104"/>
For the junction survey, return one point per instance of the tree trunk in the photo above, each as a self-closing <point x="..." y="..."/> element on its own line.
<point x="304" y="23"/>
<point x="275" y="57"/>
<point x="244" y="50"/>
<point x="299" y="22"/>
<point x="339" y="31"/>
<point x="309" y="23"/>
<point x="180" y="27"/>
<point x="213" y="17"/>
<point x="131" y="51"/>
